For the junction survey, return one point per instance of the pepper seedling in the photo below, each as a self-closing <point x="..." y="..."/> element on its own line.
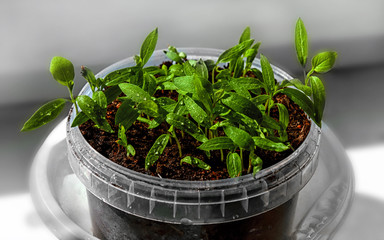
<point x="224" y="105"/>
<point x="63" y="72"/>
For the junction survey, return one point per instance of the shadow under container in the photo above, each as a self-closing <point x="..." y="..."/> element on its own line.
<point x="125" y="204"/>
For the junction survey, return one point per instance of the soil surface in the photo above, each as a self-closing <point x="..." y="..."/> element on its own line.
<point x="168" y="164"/>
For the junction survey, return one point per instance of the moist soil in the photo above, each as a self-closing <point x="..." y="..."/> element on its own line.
<point x="168" y="165"/>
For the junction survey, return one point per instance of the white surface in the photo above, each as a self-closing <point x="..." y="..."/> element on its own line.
<point x="22" y="222"/>
<point x="19" y="219"/>
<point x="368" y="165"/>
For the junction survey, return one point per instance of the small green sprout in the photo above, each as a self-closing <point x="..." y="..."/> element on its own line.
<point x="123" y="141"/>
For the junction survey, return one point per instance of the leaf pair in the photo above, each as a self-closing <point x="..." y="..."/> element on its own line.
<point x="174" y="55"/>
<point x="63" y="72"/>
<point x="322" y="62"/>
<point x="123" y="141"/>
<point x="95" y="109"/>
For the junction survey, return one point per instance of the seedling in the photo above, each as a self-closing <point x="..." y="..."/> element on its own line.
<point x="225" y="105"/>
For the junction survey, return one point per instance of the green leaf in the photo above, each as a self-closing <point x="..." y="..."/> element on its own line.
<point x="62" y="70"/>
<point x="156" y="150"/>
<point x="126" y="115"/>
<point x="248" y="83"/>
<point x="138" y="78"/>
<point x="217" y="95"/>
<point x="235" y="52"/>
<point x="260" y="99"/>
<point x="318" y="91"/>
<point x="258" y="74"/>
<point x="195" y="162"/>
<point x="201" y="69"/>
<point x="271" y="123"/>
<point x="100" y="98"/>
<point x="120" y="76"/>
<point x="299" y="85"/>
<point x="239" y="67"/>
<point x="44" y="114"/>
<point x="256" y="162"/>
<point x="233" y="118"/>
<point x="324" y="61"/>
<point x="112" y="93"/>
<point x="239" y="137"/>
<point x="218" y="143"/>
<point x="267" y="144"/>
<point x="149" y="84"/>
<point x="203" y="88"/>
<point x="300" y="99"/>
<point x="268" y="75"/>
<point x="180" y="108"/>
<point x="166" y="103"/>
<point x="246" y="35"/>
<point x="134" y="92"/>
<point x="187" y="126"/>
<point x="219" y="124"/>
<point x="224" y="74"/>
<point x="210" y="64"/>
<point x="177" y="69"/>
<point x="94" y="112"/>
<point x="89" y="76"/>
<point x="242" y="105"/>
<point x="189" y="70"/>
<point x="283" y="115"/>
<point x="154" y="70"/>
<point x="148" y="46"/>
<point x="156" y="122"/>
<point x="122" y="136"/>
<point x="251" y="53"/>
<point x="301" y="42"/>
<point x="241" y="90"/>
<point x="138" y="61"/>
<point x="196" y="112"/>
<point x="234" y="165"/>
<point x="150" y="108"/>
<point x="79" y="119"/>
<point x="174" y="56"/>
<point x="222" y="84"/>
<point x="167" y="86"/>
<point x="131" y="150"/>
<point x="185" y="83"/>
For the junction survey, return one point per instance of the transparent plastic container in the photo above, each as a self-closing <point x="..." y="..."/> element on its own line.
<point x="125" y="204"/>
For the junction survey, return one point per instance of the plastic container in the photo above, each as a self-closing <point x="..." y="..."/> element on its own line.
<point x="125" y="204"/>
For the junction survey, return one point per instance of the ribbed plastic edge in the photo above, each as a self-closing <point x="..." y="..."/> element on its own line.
<point x="191" y="202"/>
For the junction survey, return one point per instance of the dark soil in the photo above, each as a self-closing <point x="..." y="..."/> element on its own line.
<point x="168" y="165"/>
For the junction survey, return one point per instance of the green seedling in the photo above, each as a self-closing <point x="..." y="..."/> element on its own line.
<point x="321" y="63"/>
<point x="122" y="141"/>
<point x="224" y="105"/>
<point x="63" y="72"/>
